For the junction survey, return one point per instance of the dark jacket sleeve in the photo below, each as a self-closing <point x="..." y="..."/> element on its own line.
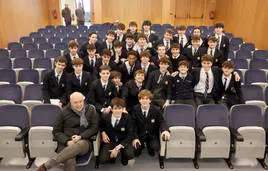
<point x="128" y="138"/>
<point x="58" y="129"/>
<point x="134" y="123"/>
<point x="162" y="122"/>
<point x="94" y="123"/>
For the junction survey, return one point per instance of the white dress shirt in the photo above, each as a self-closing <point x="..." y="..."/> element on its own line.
<point x="114" y="120"/>
<point x="227" y="81"/>
<point x="200" y="87"/>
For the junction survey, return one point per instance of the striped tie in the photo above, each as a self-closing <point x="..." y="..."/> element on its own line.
<point x="206" y="86"/>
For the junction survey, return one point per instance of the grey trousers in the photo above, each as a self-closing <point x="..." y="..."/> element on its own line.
<point x="68" y="154"/>
<point x="186" y="101"/>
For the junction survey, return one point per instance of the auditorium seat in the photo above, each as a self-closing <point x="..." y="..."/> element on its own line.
<point x="18" y="54"/>
<point x="61" y="46"/>
<point x="248" y="46"/>
<point x="40" y="40"/>
<point x="231" y="55"/>
<point x="35" y="35"/>
<point x="10" y="94"/>
<point x="229" y="36"/>
<point x="213" y="132"/>
<point x="259" y="64"/>
<point x="48" y="35"/>
<point x="4" y="54"/>
<point x="7" y="76"/>
<point x="36" y="54"/>
<point x="255" y="76"/>
<point x="30" y="46"/>
<point x="27" y="77"/>
<point x="241" y="64"/>
<point x="71" y="28"/>
<point x="233" y="47"/>
<point x="180" y="120"/>
<point x="21" y="63"/>
<point x="247" y="131"/>
<point x="5" y="64"/>
<point x="82" y="40"/>
<point x="82" y="28"/>
<point x="243" y="54"/>
<point x="45" y="46"/>
<point x="42" y="63"/>
<point x="61" y="35"/>
<point x="53" y="53"/>
<point x="54" y="40"/>
<point x="260" y="54"/>
<point x="236" y="41"/>
<point x="32" y="95"/>
<point x="25" y="39"/>
<point x="14" y="46"/>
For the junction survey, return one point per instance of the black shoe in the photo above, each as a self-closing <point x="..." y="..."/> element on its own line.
<point x="137" y="153"/>
<point x="151" y="152"/>
<point x="112" y="160"/>
<point x="124" y="161"/>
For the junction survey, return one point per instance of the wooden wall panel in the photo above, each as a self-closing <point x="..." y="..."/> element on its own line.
<point x="246" y="19"/>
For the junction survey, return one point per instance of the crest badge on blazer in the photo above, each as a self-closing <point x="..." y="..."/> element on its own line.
<point x="153" y="121"/>
<point x="110" y="93"/>
<point x="123" y="129"/>
<point x="223" y="45"/>
<point x="198" y="58"/>
<point x="62" y="85"/>
<point x="85" y="83"/>
<point x="166" y="82"/>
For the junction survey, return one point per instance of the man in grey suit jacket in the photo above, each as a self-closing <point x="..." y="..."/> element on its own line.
<point x="74" y="126"/>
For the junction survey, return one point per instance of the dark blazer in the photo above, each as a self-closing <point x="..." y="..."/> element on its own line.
<point x="204" y="43"/>
<point x="148" y="127"/>
<point x="175" y="61"/>
<point x="103" y="46"/>
<point x="52" y="90"/>
<point x="91" y="69"/>
<point x="69" y="67"/>
<point x="83" y="49"/>
<point x="153" y="38"/>
<point x="120" y="134"/>
<point x="123" y="39"/>
<point x="224" y="47"/>
<point x="99" y="97"/>
<point x="73" y="84"/>
<point x="216" y="73"/>
<point x="151" y="68"/>
<point x="125" y="48"/>
<point x="177" y="40"/>
<point x="218" y="58"/>
<point x="233" y="94"/>
<point x="123" y="55"/>
<point x="134" y="34"/>
<point x="155" y="59"/>
<point x="67" y="124"/>
<point x="165" y="84"/>
<point x="195" y="60"/>
<point x="161" y="41"/>
<point x="111" y="64"/>
<point x="130" y="94"/>
<point x="125" y="74"/>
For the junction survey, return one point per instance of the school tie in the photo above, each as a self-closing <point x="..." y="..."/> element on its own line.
<point x="144" y="114"/>
<point x="167" y="45"/>
<point x="181" y="41"/>
<point x="92" y="62"/>
<point x="131" y="70"/>
<point x="206" y="85"/>
<point x="58" y="78"/>
<point x="195" y="51"/>
<point x="224" y="84"/>
<point x="79" y="79"/>
<point x="142" y="49"/>
<point x="104" y="87"/>
<point x="160" y="78"/>
<point x="116" y="122"/>
<point x="218" y="42"/>
<point x="211" y="52"/>
<point x="110" y="47"/>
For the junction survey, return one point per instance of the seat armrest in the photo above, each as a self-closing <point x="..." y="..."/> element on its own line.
<point x="236" y="135"/>
<point x="200" y="135"/>
<point x="22" y="134"/>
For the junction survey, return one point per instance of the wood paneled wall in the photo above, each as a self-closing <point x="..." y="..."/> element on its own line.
<point x="246" y="19"/>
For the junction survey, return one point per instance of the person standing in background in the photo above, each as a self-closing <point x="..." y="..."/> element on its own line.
<point x="80" y="15"/>
<point x="66" y="14"/>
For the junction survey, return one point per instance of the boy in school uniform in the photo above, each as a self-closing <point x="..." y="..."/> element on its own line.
<point x="160" y="84"/>
<point x="120" y="54"/>
<point x="161" y="53"/>
<point x="142" y="45"/>
<point x="181" y="37"/>
<point x="92" y="39"/>
<point x="184" y="84"/>
<point x="79" y="80"/>
<point x="147" y="122"/>
<point x="129" y="44"/>
<point x="120" y="32"/>
<point x="167" y="41"/>
<point x="194" y="53"/>
<point x="116" y="78"/>
<point x="72" y="54"/>
<point x="203" y="40"/>
<point x="129" y="67"/>
<point x="218" y="59"/>
<point x="54" y="83"/>
<point x="132" y="29"/>
<point x="222" y="41"/>
<point x="117" y="131"/>
<point x="146" y="66"/>
<point x="106" y="60"/>
<point x="151" y="36"/>
<point x="176" y="56"/>
<point x="91" y="60"/>
<point x="108" y="43"/>
<point x="231" y="93"/>
<point x="102" y="91"/>
<point x="132" y="89"/>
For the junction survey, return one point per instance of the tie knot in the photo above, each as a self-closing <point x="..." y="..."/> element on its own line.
<point x="225" y="78"/>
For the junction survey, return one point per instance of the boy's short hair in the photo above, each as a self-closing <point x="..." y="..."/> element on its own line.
<point x="197" y="28"/>
<point x="104" y="68"/>
<point x="175" y="46"/>
<point x="61" y="59"/>
<point x="147" y="23"/>
<point x="195" y="38"/>
<point x="91" y="47"/>
<point x="164" y="60"/>
<point x="140" y="71"/>
<point x="228" y="64"/>
<point x="111" y="32"/>
<point x="72" y="44"/>
<point x="93" y="32"/>
<point x="141" y="35"/>
<point x="118" y="102"/>
<point x="219" y="25"/>
<point x="145" y="54"/>
<point x="212" y="38"/>
<point x="130" y="36"/>
<point x="132" y="52"/>
<point x="77" y="61"/>
<point x="145" y="93"/>
<point x="117" y="44"/>
<point x="169" y="31"/>
<point x="183" y="63"/>
<point x="121" y="26"/>
<point x="181" y="27"/>
<point x="160" y="45"/>
<point x="133" y="23"/>
<point x="115" y="74"/>
<point x="207" y="58"/>
<point x="106" y="52"/>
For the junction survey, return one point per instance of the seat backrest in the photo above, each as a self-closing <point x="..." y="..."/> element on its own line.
<point x="8" y="75"/>
<point x="35" y="35"/>
<point x="29" y="46"/>
<point x="40" y="40"/>
<point x="28" y="75"/>
<point x="10" y="92"/>
<point x="33" y="92"/>
<point x="22" y="63"/>
<point x="212" y="115"/>
<point x="260" y="54"/>
<point x="252" y="92"/>
<point x="236" y="40"/>
<point x="14" y="46"/>
<point x="45" y="46"/>
<point x="53" y="53"/>
<point x="14" y="115"/>
<point x="44" y="115"/>
<point x="243" y="54"/>
<point x="5" y="64"/>
<point x="245" y="115"/>
<point x="179" y="115"/>
<point x="54" y="40"/>
<point x="36" y="54"/>
<point x="61" y="46"/>
<point x="259" y="64"/>
<point x="266" y="118"/>
<point x="4" y="54"/>
<point x="240" y="63"/>
<point x="26" y="40"/>
<point x="18" y="54"/>
<point x="252" y="76"/>
<point x="42" y="63"/>
<point x="248" y="46"/>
